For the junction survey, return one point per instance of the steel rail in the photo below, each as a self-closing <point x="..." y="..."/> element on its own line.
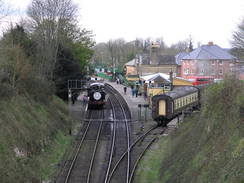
<point x="112" y="145"/>
<point x="76" y="154"/>
<point x="94" y="151"/>
<point x="131" y="146"/>
<point x="69" y="155"/>
<point x="141" y="155"/>
<point x="114" y="93"/>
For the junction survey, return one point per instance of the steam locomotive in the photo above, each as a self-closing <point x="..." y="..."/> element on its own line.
<point x="97" y="95"/>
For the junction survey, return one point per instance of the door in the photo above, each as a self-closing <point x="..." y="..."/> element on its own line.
<point x="162" y="108"/>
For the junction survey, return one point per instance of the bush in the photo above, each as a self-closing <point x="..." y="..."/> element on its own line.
<point x="6" y="91"/>
<point x="39" y="89"/>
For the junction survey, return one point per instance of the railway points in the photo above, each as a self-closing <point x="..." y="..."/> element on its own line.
<point x="120" y="143"/>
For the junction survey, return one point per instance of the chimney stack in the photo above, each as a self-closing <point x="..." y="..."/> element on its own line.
<point x="210" y="43"/>
<point x="171" y="79"/>
<point x="154" y="53"/>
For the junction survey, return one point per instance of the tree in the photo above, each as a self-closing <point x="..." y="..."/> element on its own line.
<point x="72" y="61"/>
<point x="15" y="47"/>
<point x="52" y="22"/>
<point x="4" y="10"/>
<point x="238" y="41"/>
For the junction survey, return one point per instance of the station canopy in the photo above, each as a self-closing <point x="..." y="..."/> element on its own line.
<point x="156" y="78"/>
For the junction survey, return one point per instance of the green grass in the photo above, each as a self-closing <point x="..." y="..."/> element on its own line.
<point x="208" y="147"/>
<point x="51" y="157"/>
<point x="40" y="131"/>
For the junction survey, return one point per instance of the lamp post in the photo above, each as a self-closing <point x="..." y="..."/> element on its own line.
<point x="138" y="63"/>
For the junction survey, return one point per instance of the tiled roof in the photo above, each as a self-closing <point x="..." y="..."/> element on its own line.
<point x="209" y="52"/>
<point x="162" y="60"/>
<point x="166" y="60"/>
<point x="131" y="63"/>
<point x="152" y="77"/>
<point x="179" y="56"/>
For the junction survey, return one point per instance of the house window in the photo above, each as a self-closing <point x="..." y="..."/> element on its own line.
<point x="213" y="62"/>
<point x="186" y="71"/>
<point x="220" y="62"/>
<point x="221" y="71"/>
<point x="202" y="71"/>
<point x="212" y="72"/>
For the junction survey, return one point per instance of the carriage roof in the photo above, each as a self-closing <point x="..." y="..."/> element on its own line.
<point x="179" y="92"/>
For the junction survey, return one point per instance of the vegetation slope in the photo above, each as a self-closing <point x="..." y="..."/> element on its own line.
<point x="33" y="138"/>
<point x="207" y="147"/>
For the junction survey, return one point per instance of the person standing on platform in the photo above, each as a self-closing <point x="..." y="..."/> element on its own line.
<point x="132" y="90"/>
<point x="136" y="91"/>
<point x="125" y="89"/>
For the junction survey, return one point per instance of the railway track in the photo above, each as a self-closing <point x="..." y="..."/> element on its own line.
<point x="133" y="154"/>
<point x="110" y="130"/>
<point x="137" y="149"/>
<point x="80" y="167"/>
<point x="121" y="136"/>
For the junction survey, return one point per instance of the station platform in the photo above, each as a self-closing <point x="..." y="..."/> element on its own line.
<point x="137" y="113"/>
<point x="143" y="116"/>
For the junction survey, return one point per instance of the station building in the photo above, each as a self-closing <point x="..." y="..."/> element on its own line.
<point x="151" y="63"/>
<point x="209" y="61"/>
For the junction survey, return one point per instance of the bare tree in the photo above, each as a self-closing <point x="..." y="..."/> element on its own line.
<point x="238" y="41"/>
<point x="4" y="10"/>
<point x="52" y="23"/>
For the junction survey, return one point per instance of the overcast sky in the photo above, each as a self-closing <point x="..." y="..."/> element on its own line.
<point x="174" y="20"/>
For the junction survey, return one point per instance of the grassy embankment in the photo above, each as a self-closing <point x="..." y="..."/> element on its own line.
<point x="39" y="131"/>
<point x="207" y="148"/>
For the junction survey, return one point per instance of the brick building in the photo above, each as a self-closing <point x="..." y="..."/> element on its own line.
<point x="209" y="61"/>
<point x="154" y="62"/>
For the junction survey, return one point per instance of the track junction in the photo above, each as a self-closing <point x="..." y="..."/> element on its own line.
<point x="107" y="150"/>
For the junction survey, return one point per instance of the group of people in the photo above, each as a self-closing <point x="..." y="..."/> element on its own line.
<point x="79" y="96"/>
<point x="134" y="90"/>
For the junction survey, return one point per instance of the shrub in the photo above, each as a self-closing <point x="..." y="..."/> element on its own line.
<point x="6" y="91"/>
<point x="39" y="89"/>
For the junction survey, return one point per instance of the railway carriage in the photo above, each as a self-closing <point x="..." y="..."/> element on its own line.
<point x="167" y="106"/>
<point x="97" y="95"/>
